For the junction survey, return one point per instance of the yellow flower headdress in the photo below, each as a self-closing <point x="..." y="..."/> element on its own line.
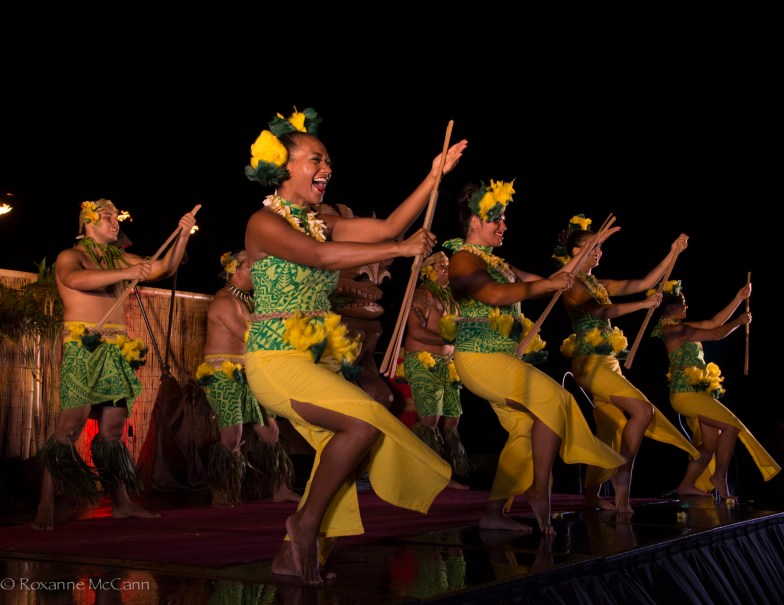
<point x="268" y="156"/>
<point x="489" y="203"/>
<point x="672" y="289"/>
<point x="90" y="213"/>
<point x="231" y="262"/>
<point x="579" y="222"/>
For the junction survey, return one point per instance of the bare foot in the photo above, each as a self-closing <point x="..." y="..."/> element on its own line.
<point x="284" y="494"/>
<point x="621" y="483"/>
<point x="298" y="556"/>
<point x="595" y="501"/>
<point x="132" y="510"/>
<point x="503" y="522"/>
<point x="44" y="520"/>
<point x="456" y="485"/>
<point x="540" y="504"/>
<point x="691" y="491"/>
<point x="720" y="483"/>
<point x="219" y="500"/>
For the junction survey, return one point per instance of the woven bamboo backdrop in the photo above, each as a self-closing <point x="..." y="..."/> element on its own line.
<point x="27" y="420"/>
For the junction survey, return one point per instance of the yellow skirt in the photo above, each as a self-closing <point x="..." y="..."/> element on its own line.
<point x="600" y="375"/>
<point x="402" y="470"/>
<point x="497" y="377"/>
<point x="692" y="405"/>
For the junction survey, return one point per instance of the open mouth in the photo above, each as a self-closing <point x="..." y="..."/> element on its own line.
<point x="320" y="184"/>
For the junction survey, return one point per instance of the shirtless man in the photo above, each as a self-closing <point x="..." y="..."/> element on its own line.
<point x="97" y="377"/>
<point x="222" y="375"/>
<point x="429" y="368"/>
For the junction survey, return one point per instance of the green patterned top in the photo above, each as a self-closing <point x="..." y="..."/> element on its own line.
<point x="281" y="287"/>
<point x="583" y="322"/>
<point x="688" y="354"/>
<point x="478" y="336"/>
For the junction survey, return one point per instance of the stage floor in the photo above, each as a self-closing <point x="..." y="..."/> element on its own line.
<point x="453" y="561"/>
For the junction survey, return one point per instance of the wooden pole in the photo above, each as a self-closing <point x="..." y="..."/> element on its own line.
<point x="133" y="284"/>
<point x="523" y="344"/>
<point x="648" y="315"/>
<point x="389" y="363"/>
<point x="748" y="308"/>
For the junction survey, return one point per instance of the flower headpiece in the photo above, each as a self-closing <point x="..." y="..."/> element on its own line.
<point x="231" y="262"/>
<point x="268" y="156"/>
<point x="561" y="255"/>
<point x="672" y="289"/>
<point x="489" y="203"/>
<point x="90" y="213"/>
<point x="428" y="272"/>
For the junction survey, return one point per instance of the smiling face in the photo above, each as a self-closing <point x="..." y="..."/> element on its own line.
<point x="593" y="258"/>
<point x="106" y="229"/>
<point x="310" y="169"/>
<point x="490" y="233"/>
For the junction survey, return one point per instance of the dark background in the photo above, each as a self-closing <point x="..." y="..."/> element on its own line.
<point x="670" y="134"/>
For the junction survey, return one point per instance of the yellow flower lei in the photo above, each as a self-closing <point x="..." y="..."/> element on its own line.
<point x="316" y="226"/>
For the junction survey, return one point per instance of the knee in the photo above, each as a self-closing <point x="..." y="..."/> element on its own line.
<point x="429" y="421"/>
<point x="366" y="433"/>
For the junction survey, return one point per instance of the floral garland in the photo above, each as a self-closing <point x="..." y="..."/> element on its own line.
<point x="89" y="213"/>
<point x="595" y="289"/>
<point x="658" y="329"/>
<point x="133" y="349"/>
<point x="206" y="372"/>
<point x="314" y="226"/>
<point x="494" y="262"/>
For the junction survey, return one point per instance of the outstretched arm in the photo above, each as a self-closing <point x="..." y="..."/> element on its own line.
<point x="167" y="265"/>
<point x="724" y="315"/>
<point x="468" y="277"/>
<point x="372" y="230"/>
<point x="623" y="287"/>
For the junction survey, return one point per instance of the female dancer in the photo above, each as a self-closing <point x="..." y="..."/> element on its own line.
<point x="296" y="347"/>
<point x="695" y="388"/>
<point x="540" y="416"/>
<point x="623" y="414"/>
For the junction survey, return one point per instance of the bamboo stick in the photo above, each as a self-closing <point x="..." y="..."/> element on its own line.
<point x="649" y="314"/>
<point x="389" y="363"/>
<point x="748" y="308"/>
<point x="132" y="285"/>
<point x="523" y="344"/>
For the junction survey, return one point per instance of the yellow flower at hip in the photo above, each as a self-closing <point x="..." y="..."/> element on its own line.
<point x="400" y="372"/>
<point x="268" y="148"/>
<point x="536" y="344"/>
<point x="229" y="369"/>
<point x="594" y="337"/>
<point x="75" y="332"/>
<point x="447" y="327"/>
<point x="501" y="323"/>
<point x="453" y="375"/>
<point x="567" y="346"/>
<point x="303" y="332"/>
<point x="618" y="341"/>
<point x="205" y="369"/>
<point x="426" y="359"/>
<point x="339" y="345"/>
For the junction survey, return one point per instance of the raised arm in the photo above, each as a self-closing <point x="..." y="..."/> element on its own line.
<point x="168" y="263"/>
<point x="623" y="287"/>
<point x="370" y="230"/>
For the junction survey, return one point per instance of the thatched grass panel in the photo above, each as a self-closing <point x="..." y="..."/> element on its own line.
<point x="26" y="421"/>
